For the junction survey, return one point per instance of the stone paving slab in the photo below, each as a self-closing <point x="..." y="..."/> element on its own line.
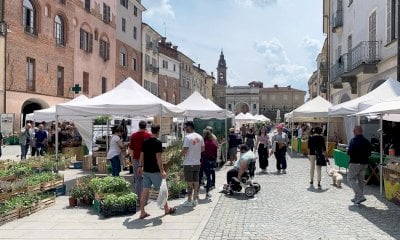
<point x="288" y="208"/>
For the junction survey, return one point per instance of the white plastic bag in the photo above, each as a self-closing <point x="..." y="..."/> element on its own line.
<point x="162" y="194"/>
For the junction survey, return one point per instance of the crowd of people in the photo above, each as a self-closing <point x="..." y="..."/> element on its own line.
<point x="40" y="139"/>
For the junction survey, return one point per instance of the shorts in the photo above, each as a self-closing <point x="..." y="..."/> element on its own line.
<point x="150" y="179"/>
<point x="191" y="173"/>
<point x="233" y="151"/>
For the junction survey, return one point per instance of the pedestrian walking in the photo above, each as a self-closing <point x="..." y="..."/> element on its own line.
<point x="208" y="160"/>
<point x="316" y="147"/>
<point x="212" y="170"/>
<point x="250" y="138"/>
<point x="135" y="148"/>
<point x="300" y="136"/>
<point x="279" y="147"/>
<point x="40" y="140"/>
<point x="151" y="169"/>
<point x="233" y="146"/>
<point x="359" y="151"/>
<point x="193" y="146"/>
<point x="24" y="140"/>
<point x="262" y="144"/>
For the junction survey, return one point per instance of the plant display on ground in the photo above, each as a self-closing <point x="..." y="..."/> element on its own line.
<point x="23" y="200"/>
<point x="110" y="184"/>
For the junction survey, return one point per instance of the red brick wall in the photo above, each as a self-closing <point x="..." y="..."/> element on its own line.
<point x="171" y="88"/>
<point x="42" y="48"/>
<point x="128" y="70"/>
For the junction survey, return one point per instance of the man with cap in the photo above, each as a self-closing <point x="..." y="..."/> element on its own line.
<point x="279" y="146"/>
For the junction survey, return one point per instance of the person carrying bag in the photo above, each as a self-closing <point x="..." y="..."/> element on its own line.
<point x="317" y="154"/>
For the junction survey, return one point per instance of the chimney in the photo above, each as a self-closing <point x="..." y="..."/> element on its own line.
<point x="169" y="44"/>
<point x="199" y="66"/>
<point x="289" y="87"/>
<point x="276" y="86"/>
<point x="163" y="40"/>
<point x="212" y="74"/>
<point x="175" y="47"/>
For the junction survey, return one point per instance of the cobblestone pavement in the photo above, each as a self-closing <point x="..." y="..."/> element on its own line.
<point x="288" y="208"/>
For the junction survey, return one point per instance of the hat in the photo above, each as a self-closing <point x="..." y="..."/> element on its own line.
<point x="231" y="130"/>
<point x="280" y="125"/>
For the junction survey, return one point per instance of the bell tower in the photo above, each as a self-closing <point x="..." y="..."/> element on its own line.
<point x="221" y="70"/>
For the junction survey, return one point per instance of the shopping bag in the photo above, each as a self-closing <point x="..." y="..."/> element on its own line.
<point x="162" y="194"/>
<point x="320" y="159"/>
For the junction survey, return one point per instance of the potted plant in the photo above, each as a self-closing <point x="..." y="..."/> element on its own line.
<point x="75" y="193"/>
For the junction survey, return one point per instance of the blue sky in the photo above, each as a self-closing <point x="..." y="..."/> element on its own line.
<point x="272" y="41"/>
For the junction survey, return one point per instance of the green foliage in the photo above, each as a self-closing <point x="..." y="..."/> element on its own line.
<point x="76" y="192"/>
<point x="19" y="169"/>
<point x="124" y="200"/>
<point x="176" y="187"/>
<point x="23" y="200"/>
<point x="101" y="120"/>
<point x="110" y="184"/>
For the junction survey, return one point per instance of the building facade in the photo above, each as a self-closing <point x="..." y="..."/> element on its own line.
<point x="242" y="99"/>
<point x="94" y="52"/>
<point x="128" y="40"/>
<point x="150" y="49"/>
<point x="284" y="99"/>
<point x="186" y="76"/>
<point x="199" y="80"/>
<point x="169" y="73"/>
<point x="219" y="88"/>
<point x="362" y="42"/>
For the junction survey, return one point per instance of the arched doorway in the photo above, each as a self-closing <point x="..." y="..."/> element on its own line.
<point x="242" y="108"/>
<point x="29" y="106"/>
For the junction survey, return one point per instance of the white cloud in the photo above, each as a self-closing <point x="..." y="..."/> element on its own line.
<point x="278" y="67"/>
<point x="312" y="46"/>
<point x="257" y="3"/>
<point x="157" y="8"/>
<point x="272" y="51"/>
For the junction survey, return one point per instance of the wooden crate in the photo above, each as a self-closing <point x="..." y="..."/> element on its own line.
<point x="9" y="216"/>
<point x="42" y="204"/>
<point x="102" y="164"/>
<point x="87" y="162"/>
<point x="8" y="195"/>
<point x="8" y="178"/>
<point x="73" y="151"/>
<point x="34" y="188"/>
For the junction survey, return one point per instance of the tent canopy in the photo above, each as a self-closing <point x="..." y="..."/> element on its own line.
<point x="49" y="114"/>
<point x="315" y="110"/>
<point x="262" y="118"/>
<point x="127" y="99"/>
<point x="197" y="106"/>
<point x="389" y="89"/>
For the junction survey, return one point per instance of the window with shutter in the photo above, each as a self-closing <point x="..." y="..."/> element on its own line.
<point x="90" y="49"/>
<point x="85" y="87"/>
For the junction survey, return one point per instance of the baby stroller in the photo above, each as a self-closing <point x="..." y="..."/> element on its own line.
<point x="246" y="182"/>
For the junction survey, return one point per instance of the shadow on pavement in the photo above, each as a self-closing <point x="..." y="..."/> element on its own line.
<point x="386" y="219"/>
<point x="316" y="190"/>
<point x="138" y="223"/>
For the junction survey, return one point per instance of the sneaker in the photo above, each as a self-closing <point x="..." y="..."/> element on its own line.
<point x="187" y="204"/>
<point x="360" y="200"/>
<point x="319" y="186"/>
<point x="278" y="171"/>
<point x="284" y="171"/>
<point x="195" y="203"/>
<point x="353" y="200"/>
<point x="311" y="182"/>
<point x="208" y="195"/>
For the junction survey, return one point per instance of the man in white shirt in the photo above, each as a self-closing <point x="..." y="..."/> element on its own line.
<point x="193" y="145"/>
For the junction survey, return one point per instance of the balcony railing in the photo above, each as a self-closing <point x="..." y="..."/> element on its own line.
<point x="149" y="67"/>
<point x="337" y="19"/>
<point x="149" y="45"/>
<point x="155" y="70"/>
<point x="365" y="53"/>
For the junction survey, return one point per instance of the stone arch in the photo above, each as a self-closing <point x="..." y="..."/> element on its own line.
<point x="104" y="36"/>
<point x="85" y="26"/>
<point x="242" y="107"/>
<point x="38" y="11"/>
<point x="344" y="98"/>
<point x="31" y="105"/>
<point x="375" y="84"/>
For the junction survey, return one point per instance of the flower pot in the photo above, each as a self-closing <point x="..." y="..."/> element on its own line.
<point x="73" y="202"/>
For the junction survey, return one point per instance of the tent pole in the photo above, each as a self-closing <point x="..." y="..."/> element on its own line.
<point x="327" y="135"/>
<point x="291" y="147"/>
<point x="108" y="127"/>
<point x="226" y="140"/>
<point x="56" y="142"/>
<point x="381" y="154"/>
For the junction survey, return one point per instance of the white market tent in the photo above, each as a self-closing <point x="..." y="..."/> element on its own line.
<point x="197" y="106"/>
<point x="315" y="110"/>
<point x="127" y="99"/>
<point x="262" y="118"/>
<point x="389" y="89"/>
<point x="49" y="114"/>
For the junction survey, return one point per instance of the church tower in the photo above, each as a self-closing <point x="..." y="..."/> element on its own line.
<point x="221" y="70"/>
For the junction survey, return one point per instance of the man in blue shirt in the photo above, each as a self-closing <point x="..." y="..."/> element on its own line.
<point x="41" y="140"/>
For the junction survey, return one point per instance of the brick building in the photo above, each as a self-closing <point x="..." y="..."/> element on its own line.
<point x="168" y="77"/>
